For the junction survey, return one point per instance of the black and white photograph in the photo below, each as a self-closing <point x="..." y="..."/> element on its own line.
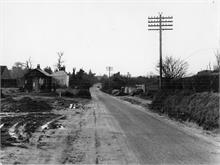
<point x="110" y="82"/>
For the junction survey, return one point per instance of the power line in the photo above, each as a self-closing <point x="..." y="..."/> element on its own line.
<point x="160" y="23"/>
<point x="197" y="51"/>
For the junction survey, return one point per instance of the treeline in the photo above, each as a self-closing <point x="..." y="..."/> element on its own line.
<point x="82" y="79"/>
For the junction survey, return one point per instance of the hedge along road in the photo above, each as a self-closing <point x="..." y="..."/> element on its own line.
<point x="155" y="141"/>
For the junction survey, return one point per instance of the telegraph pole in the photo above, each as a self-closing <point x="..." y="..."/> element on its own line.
<point x="109" y="69"/>
<point x="160" y="23"/>
<point x="128" y="78"/>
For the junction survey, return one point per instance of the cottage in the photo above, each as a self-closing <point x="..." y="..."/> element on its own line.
<point x="61" y="78"/>
<point x="38" y="80"/>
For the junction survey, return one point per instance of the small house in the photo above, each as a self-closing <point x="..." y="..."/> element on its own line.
<point x="61" y="78"/>
<point x="38" y="80"/>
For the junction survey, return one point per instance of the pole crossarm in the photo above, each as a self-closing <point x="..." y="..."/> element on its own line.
<point x="158" y="25"/>
<point x="162" y="21"/>
<point x="161" y="29"/>
<point x="167" y="29"/>
<point x="160" y="17"/>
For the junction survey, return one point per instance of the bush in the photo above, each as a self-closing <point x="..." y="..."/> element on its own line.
<point x="201" y="108"/>
<point x="67" y="94"/>
<point x="84" y="93"/>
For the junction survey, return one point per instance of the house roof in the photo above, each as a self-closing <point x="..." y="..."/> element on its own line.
<point x="39" y="70"/>
<point x="42" y="71"/>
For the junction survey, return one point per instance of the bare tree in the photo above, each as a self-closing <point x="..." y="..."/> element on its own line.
<point x="173" y="68"/>
<point x="59" y="65"/>
<point x="28" y="63"/>
<point x="217" y="56"/>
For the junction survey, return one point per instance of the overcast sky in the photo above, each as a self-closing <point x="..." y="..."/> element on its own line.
<point x="96" y="34"/>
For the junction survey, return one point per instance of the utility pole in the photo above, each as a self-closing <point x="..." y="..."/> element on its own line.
<point x="160" y="23"/>
<point x="109" y="69"/>
<point x="128" y="78"/>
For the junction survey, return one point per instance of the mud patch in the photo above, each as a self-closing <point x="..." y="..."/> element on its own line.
<point x="25" y="104"/>
<point x="19" y="129"/>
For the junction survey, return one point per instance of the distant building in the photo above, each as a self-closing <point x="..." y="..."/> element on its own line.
<point x="38" y="80"/>
<point x="61" y="78"/>
<point x="5" y="74"/>
<point x="129" y="89"/>
<point x="141" y="86"/>
<point x="6" y="79"/>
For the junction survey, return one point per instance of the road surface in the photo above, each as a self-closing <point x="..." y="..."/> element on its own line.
<point x="154" y="141"/>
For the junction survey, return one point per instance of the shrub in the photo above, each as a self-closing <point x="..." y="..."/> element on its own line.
<point x="84" y="93"/>
<point x="201" y="108"/>
<point x="67" y="94"/>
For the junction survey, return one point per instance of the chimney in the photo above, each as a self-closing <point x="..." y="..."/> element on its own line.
<point x="38" y="66"/>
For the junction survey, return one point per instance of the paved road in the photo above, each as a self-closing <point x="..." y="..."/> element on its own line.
<point x="154" y="141"/>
